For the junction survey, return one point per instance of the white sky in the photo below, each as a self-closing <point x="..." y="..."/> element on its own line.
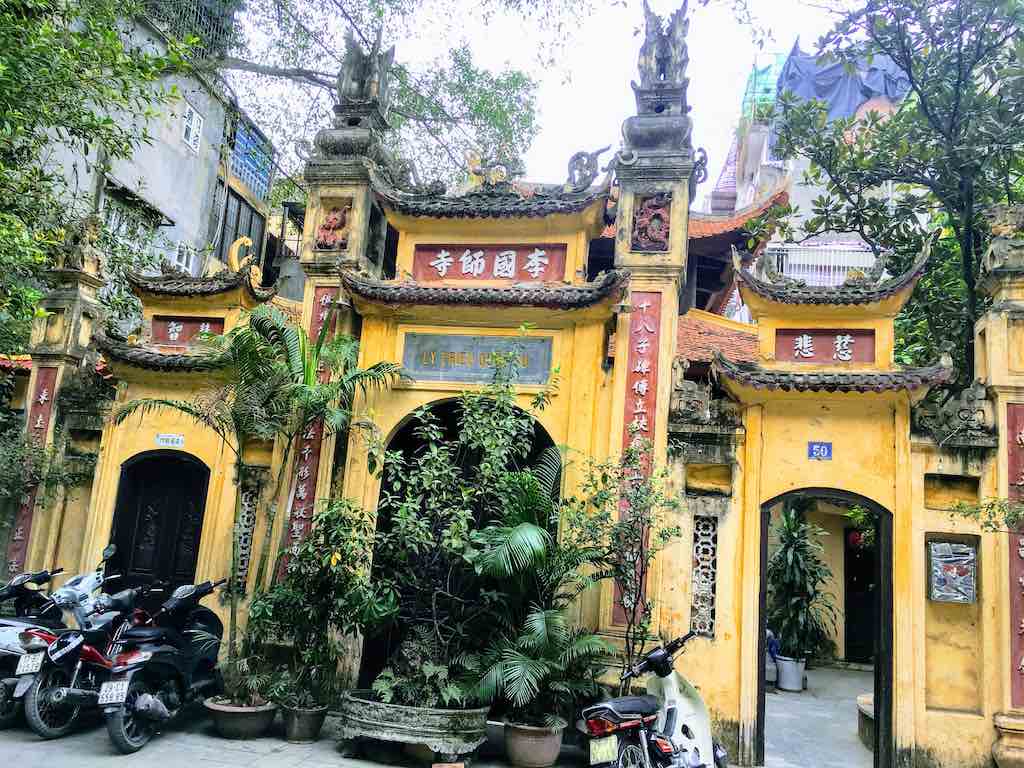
<point x="583" y="102"/>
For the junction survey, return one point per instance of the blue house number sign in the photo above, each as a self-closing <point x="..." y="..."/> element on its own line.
<point x="819" y="451"/>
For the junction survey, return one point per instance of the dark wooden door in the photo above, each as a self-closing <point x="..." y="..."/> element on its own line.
<point x="159" y="519"/>
<point x="860" y="574"/>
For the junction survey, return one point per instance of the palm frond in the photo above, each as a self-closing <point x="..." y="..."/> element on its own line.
<point x="205" y="417"/>
<point x="548" y="471"/>
<point x="510" y="550"/>
<point x="522" y="676"/>
<point x="543" y="630"/>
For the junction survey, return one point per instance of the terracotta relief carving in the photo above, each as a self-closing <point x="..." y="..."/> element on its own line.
<point x="651" y="223"/>
<point x="332" y="234"/>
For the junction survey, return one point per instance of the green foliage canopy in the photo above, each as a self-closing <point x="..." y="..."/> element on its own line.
<point x="952" y="148"/>
<point x="68" y="75"/>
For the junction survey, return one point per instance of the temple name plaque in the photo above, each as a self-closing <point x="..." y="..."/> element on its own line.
<point x="452" y="357"/>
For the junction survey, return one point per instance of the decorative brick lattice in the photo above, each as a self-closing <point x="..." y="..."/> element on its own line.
<point x="705" y="568"/>
<point x="246" y="526"/>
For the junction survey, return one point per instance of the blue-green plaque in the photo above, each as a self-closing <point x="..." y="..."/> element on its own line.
<point x="453" y="357"/>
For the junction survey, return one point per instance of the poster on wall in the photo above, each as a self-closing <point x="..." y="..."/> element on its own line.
<point x="953" y="572"/>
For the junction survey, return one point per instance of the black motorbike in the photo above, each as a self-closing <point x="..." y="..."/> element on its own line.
<point x="77" y="661"/>
<point x="162" y="666"/>
<point x="25" y="605"/>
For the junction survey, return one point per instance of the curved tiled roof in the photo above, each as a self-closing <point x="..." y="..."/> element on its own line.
<point x="524" y="295"/>
<point x="154" y="360"/>
<point x="176" y="284"/>
<point x="846" y="294"/>
<point x="753" y="375"/>
<point x="492" y="201"/>
<point x="710" y="225"/>
<point x="700" y="335"/>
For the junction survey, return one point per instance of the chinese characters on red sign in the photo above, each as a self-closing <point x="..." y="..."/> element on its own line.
<point x="39" y="412"/>
<point x="509" y="263"/>
<point x="824" y="345"/>
<point x="1015" y="477"/>
<point x="184" y="330"/>
<point x="307" y="462"/>
<point x="642" y="371"/>
<point x="641" y="404"/>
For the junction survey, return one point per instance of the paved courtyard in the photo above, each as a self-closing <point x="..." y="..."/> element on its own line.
<point x="817" y="728"/>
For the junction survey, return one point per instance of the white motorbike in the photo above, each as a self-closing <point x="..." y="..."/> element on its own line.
<point x="669" y="727"/>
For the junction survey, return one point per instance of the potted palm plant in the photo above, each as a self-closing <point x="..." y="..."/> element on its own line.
<point x="538" y="670"/>
<point x="275" y="382"/>
<point x="800" y="611"/>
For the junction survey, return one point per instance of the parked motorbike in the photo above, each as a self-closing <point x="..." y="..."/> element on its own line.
<point x="667" y="727"/>
<point x="31" y="609"/>
<point x="162" y="666"/>
<point x="59" y="660"/>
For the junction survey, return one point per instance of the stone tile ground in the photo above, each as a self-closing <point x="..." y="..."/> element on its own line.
<point x="815" y="729"/>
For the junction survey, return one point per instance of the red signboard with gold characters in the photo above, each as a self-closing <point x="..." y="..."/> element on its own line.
<point x="1015" y="475"/>
<point x="641" y="403"/>
<point x="824" y="345"/>
<point x="307" y="462"/>
<point x="40" y="411"/>
<point x="531" y="263"/>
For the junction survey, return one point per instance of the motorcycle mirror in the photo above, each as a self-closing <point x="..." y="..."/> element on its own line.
<point x="108" y="552"/>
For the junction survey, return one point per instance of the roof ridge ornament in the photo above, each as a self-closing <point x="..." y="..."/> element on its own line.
<point x="583" y="170"/>
<point x="658" y="139"/>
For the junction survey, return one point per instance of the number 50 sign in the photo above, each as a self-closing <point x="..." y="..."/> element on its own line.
<point x="819" y="451"/>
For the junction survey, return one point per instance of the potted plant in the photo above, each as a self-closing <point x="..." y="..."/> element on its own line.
<point x="800" y="611"/>
<point x="272" y="388"/>
<point x="242" y="711"/>
<point x="302" y="703"/>
<point x="323" y="596"/>
<point x="539" y="670"/>
<point x="437" y="497"/>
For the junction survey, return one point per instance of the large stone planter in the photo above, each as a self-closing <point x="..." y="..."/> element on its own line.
<point x="240" y="722"/>
<point x="448" y="732"/>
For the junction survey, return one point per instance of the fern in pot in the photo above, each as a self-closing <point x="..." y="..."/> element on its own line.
<point x="800" y="611"/>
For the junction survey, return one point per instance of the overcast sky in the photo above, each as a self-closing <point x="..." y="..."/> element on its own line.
<point x="583" y="103"/>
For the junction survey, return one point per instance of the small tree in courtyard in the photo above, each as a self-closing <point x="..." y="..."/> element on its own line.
<point x="625" y="506"/>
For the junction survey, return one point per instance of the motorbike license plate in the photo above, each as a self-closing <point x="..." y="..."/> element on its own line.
<point x="29" y="664"/>
<point x="113" y="692"/>
<point x="604" y="750"/>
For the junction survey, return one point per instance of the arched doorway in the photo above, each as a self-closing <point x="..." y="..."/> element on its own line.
<point x="409" y="439"/>
<point x="879" y="613"/>
<point x="158" y="520"/>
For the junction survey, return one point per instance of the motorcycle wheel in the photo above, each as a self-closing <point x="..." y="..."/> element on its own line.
<point x="630" y="755"/>
<point x="128" y="731"/>
<point x="46" y="719"/>
<point x="10" y="711"/>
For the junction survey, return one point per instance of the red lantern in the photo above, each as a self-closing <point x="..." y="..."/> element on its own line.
<point x="856" y="539"/>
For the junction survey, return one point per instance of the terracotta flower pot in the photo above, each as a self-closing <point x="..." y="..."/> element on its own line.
<point x="233" y="722"/>
<point x="303" y="725"/>
<point x="530" y="746"/>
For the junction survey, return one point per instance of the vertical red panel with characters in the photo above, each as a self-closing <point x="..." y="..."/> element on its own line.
<point x="641" y="402"/>
<point x="40" y="413"/>
<point x="1015" y="472"/>
<point x="307" y="461"/>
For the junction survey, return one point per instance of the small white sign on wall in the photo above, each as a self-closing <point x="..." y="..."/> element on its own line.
<point x="165" y="440"/>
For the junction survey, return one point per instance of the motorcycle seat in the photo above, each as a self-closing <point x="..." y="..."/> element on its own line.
<point x="147" y="634"/>
<point x="633" y="705"/>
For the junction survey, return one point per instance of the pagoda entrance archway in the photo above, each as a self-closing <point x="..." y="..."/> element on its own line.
<point x="158" y="519"/>
<point x="881" y="626"/>
<point x="407" y="439"/>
